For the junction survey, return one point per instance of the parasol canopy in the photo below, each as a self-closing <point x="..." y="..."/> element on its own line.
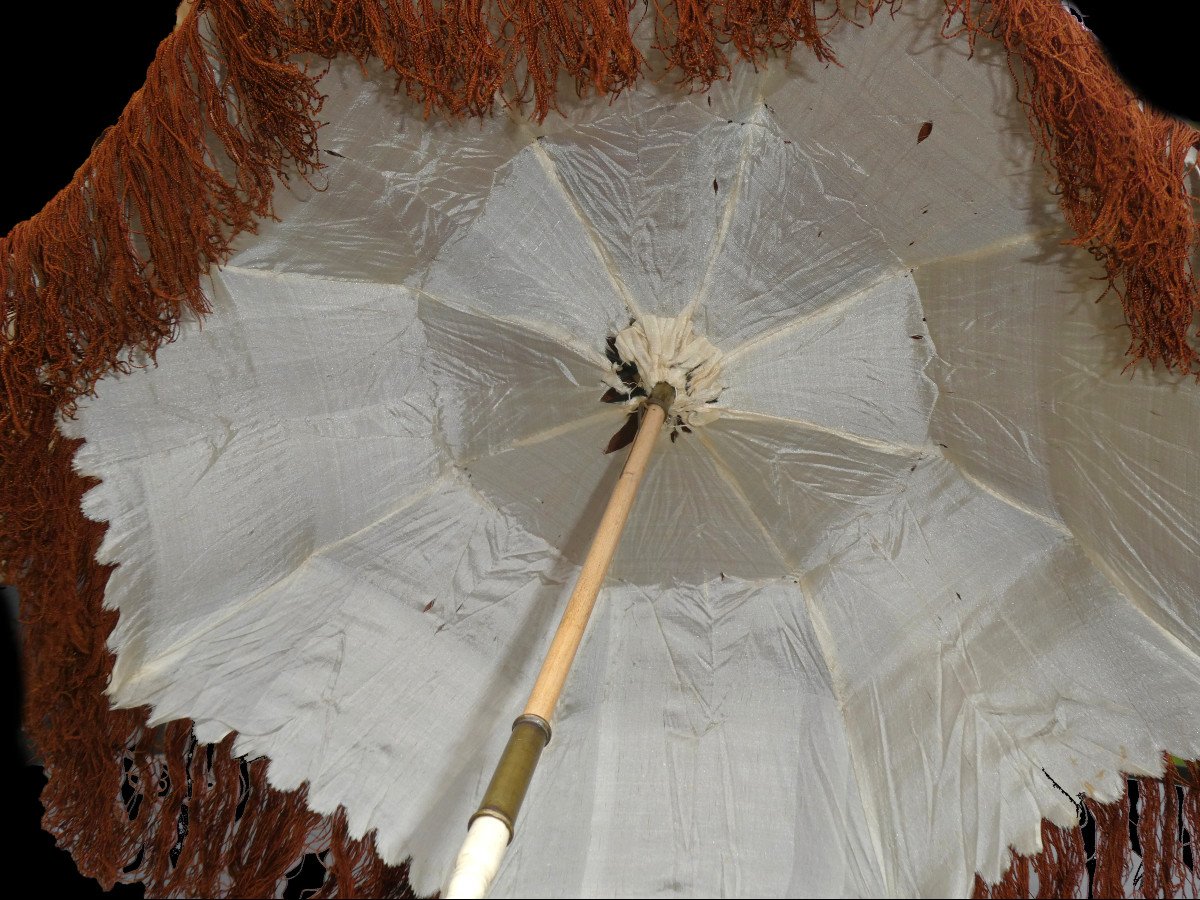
<point x="915" y="567"/>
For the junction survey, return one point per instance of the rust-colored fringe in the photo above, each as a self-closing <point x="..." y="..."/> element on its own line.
<point x="109" y="267"/>
<point x="115" y="259"/>
<point x="461" y="57"/>
<point x="1163" y="815"/>
<point x="1119" y="168"/>
<point x="689" y="34"/>
<point x="128" y="802"/>
<point x="1113" y="847"/>
<point x="458" y="56"/>
<point x="100" y="279"/>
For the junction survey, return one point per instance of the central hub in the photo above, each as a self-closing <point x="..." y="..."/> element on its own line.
<point x="656" y="348"/>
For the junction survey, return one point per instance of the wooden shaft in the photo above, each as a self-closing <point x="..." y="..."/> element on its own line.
<point x="562" y="651"/>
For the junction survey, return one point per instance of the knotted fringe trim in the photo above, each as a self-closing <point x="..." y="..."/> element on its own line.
<point x="100" y="279"/>
<point x="1119" y="169"/>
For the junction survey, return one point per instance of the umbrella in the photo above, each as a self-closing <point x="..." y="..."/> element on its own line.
<point x="913" y="571"/>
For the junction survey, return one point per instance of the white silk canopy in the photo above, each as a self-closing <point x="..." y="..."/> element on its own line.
<point x="924" y="567"/>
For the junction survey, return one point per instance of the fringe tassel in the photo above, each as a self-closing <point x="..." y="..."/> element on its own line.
<point x="99" y="280"/>
<point x="757" y="28"/>
<point x="1119" y="168"/>
<point x="1113" y="847"/>
<point x="1062" y="865"/>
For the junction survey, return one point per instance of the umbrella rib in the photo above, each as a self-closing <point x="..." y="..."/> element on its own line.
<point x="562" y="428"/>
<point x="304" y="277"/>
<point x="730" y="479"/>
<point x="893" y="449"/>
<point x="1137" y="597"/>
<point x="734" y="195"/>
<point x="551" y="168"/>
<point x="1133" y="595"/>
<point x="1011" y="501"/>
<point x="850" y="300"/>
<point x="997" y="246"/>
<point x="166" y="657"/>
<point x="611" y="414"/>
<point x="824" y="311"/>
<point x="818" y="624"/>
<point x="541" y="329"/>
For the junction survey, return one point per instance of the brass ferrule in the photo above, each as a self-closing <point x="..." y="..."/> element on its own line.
<point x="506" y="791"/>
<point x="663" y="394"/>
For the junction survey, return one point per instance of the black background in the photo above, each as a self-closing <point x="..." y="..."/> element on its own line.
<point x="71" y="70"/>
<point x="1153" y="46"/>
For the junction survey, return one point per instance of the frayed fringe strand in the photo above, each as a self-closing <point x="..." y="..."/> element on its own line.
<point x="1113" y="847"/>
<point x="100" y="279"/>
<point x="1119" y="168"/>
